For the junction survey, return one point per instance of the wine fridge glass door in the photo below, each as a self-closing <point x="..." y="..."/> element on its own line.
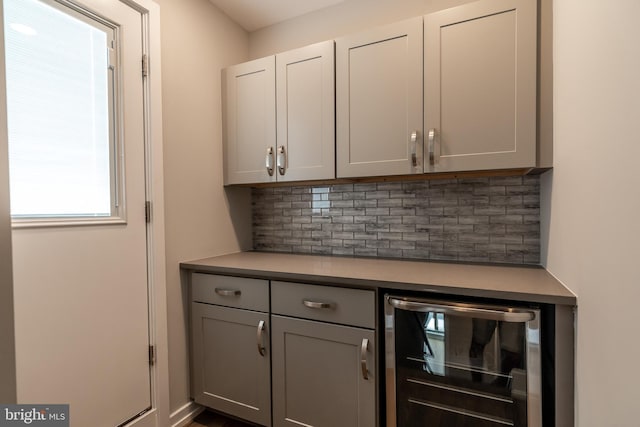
<point x="461" y="365"/>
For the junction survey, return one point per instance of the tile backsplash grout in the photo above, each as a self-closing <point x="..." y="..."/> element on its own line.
<point x="493" y="219"/>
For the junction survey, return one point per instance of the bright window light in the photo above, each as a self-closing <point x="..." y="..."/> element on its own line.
<point x="60" y="112"/>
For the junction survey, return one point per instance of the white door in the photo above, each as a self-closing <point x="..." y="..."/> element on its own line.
<point x="80" y="277"/>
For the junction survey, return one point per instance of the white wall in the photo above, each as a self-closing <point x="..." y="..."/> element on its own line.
<point x="591" y="200"/>
<point x="7" y="340"/>
<point x="344" y="18"/>
<point x="197" y="42"/>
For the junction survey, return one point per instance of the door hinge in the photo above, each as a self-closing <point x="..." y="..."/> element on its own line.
<point x="145" y="65"/>
<point x="152" y="355"/>
<point x="147" y="211"/>
<point x="111" y="56"/>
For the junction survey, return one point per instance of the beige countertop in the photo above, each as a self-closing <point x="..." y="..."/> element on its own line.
<point x="531" y="284"/>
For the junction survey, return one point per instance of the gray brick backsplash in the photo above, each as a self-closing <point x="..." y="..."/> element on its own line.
<point x="494" y="220"/>
<point x="341" y="251"/>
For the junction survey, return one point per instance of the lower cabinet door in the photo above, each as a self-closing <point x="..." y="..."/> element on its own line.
<point x="231" y="360"/>
<point x="324" y="375"/>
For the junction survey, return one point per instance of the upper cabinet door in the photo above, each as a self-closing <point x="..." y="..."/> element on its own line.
<point x="379" y="101"/>
<point x="480" y="86"/>
<point x="305" y="86"/>
<point x="250" y="139"/>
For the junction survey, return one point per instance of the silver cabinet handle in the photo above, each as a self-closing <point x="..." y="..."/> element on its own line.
<point x="432" y="148"/>
<point x="228" y="292"/>
<point x="505" y="314"/>
<point x="413" y="140"/>
<point x="269" y="161"/>
<point x="316" y="304"/>
<point x="363" y="358"/>
<point x="261" y="348"/>
<point x="281" y="160"/>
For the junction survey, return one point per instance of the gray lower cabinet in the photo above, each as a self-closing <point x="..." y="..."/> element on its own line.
<point x="324" y="374"/>
<point x="231" y="356"/>
<point x="309" y="359"/>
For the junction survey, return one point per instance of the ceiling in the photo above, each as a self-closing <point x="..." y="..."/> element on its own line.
<point x="255" y="14"/>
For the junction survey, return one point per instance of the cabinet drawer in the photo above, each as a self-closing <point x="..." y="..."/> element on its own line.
<point x="240" y="292"/>
<point x="326" y="303"/>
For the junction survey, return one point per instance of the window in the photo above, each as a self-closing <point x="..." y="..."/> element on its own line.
<point x="61" y="108"/>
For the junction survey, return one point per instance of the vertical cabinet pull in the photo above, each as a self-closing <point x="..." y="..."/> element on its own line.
<point x="261" y="347"/>
<point x="413" y="140"/>
<point x="281" y="160"/>
<point x="432" y="147"/>
<point x="363" y="358"/>
<point x="269" y="161"/>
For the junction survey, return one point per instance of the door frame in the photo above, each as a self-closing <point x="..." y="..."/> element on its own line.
<point x="8" y="392"/>
<point x="158" y="415"/>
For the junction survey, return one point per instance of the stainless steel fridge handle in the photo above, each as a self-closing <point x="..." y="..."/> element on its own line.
<point x="363" y="358"/>
<point x="261" y="347"/>
<point x="505" y="314"/>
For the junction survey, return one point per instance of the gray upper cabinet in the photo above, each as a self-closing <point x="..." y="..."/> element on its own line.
<point x="480" y="86"/>
<point x="379" y="101"/>
<point x="305" y="87"/>
<point x="453" y="91"/>
<point x="297" y="87"/>
<point x="250" y="121"/>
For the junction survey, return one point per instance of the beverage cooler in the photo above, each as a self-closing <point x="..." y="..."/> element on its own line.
<point x="452" y="364"/>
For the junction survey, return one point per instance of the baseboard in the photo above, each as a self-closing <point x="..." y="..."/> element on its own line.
<point x="185" y="414"/>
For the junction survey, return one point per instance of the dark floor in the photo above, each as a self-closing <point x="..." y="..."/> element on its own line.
<point x="210" y="419"/>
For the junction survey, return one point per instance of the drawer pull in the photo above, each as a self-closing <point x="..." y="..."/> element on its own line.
<point x="228" y="292"/>
<point x="363" y="358"/>
<point x="261" y="347"/>
<point x="317" y="304"/>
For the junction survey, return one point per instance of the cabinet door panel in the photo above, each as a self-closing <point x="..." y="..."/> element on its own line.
<point x="229" y="373"/>
<point x="250" y="120"/>
<point x="317" y="375"/>
<point x="480" y="86"/>
<point x="379" y="100"/>
<point x="306" y="111"/>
